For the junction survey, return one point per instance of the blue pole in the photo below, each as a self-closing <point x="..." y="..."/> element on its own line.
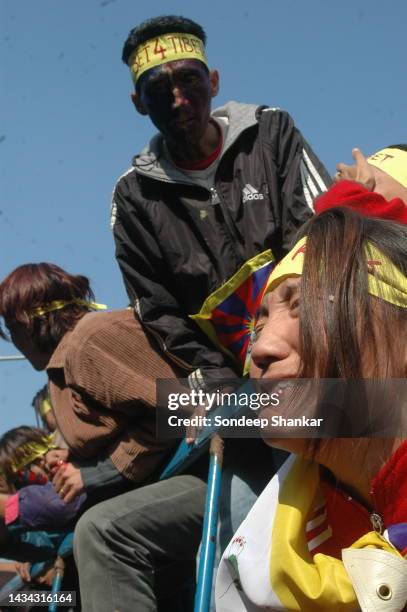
<point x="57" y="582"/>
<point x="208" y="545"/>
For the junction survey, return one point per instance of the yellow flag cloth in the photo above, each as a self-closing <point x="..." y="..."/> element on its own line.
<point x="228" y="315"/>
<point x="270" y="563"/>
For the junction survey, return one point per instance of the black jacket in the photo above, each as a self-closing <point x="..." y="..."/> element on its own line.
<point x="176" y="242"/>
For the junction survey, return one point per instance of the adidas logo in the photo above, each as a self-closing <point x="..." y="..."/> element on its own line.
<point x="250" y="193"/>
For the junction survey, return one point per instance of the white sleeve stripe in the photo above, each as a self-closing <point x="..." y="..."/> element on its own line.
<point x="196" y="381"/>
<point x="307" y="195"/>
<point x="307" y="179"/>
<point x="313" y="171"/>
<point x="113" y="214"/>
<point x="113" y="206"/>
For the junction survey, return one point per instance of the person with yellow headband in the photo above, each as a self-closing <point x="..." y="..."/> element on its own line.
<point x="384" y="172"/>
<point x="330" y="530"/>
<point x="31" y="501"/>
<point x="43" y="409"/>
<point x="102" y="372"/>
<point x="28" y="501"/>
<point x="375" y="186"/>
<point x="211" y="191"/>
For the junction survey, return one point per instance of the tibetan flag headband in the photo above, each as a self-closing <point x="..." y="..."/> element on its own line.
<point x="58" y="304"/>
<point x="385" y="280"/>
<point x="392" y="161"/>
<point x="163" y="49"/>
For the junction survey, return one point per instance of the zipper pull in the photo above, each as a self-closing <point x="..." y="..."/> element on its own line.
<point x="377" y="522"/>
<point x="214" y="196"/>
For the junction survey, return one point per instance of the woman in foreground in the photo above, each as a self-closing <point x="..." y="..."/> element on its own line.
<point x="330" y="530"/>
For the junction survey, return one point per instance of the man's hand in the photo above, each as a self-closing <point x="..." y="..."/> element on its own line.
<point x="68" y="482"/>
<point x="46" y="578"/>
<point x="23" y="570"/>
<point x="192" y="431"/>
<point x="362" y="172"/>
<point x="55" y="458"/>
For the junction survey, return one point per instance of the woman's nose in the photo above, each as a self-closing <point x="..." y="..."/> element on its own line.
<point x="269" y="348"/>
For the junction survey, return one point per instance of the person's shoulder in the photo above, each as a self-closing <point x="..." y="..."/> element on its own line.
<point x="135" y="187"/>
<point x="126" y="175"/>
<point x="126" y="181"/>
<point x="144" y="162"/>
<point x="102" y="327"/>
<point x="273" y="117"/>
<point x="272" y="113"/>
<point x="93" y="322"/>
<point x="274" y="122"/>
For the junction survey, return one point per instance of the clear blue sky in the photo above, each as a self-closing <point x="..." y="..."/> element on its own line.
<point x="68" y="129"/>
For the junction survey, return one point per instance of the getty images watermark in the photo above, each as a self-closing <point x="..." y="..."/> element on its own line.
<point x="251" y="401"/>
<point x="296" y="408"/>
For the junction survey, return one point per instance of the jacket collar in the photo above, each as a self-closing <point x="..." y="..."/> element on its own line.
<point x="153" y="163"/>
<point x="58" y="357"/>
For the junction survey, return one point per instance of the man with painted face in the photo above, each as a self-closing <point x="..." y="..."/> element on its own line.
<point x="210" y="192"/>
<point x="207" y="207"/>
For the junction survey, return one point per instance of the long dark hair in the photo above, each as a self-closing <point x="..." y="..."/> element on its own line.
<point x="340" y="321"/>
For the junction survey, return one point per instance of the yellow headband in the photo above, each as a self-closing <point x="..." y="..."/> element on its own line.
<point x="27" y="453"/>
<point x="163" y="49"/>
<point x="44" y="407"/>
<point x="58" y="304"/>
<point x="393" y="162"/>
<point x="385" y="280"/>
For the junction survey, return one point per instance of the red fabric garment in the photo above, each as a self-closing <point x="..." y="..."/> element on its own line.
<point x="12" y="509"/>
<point x="389" y="488"/>
<point x="202" y="164"/>
<point x="368" y="203"/>
<point x="345" y="521"/>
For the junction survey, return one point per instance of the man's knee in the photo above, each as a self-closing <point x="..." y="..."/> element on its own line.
<point x="89" y="532"/>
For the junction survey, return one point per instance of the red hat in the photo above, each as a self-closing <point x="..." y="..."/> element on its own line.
<point x="368" y="203"/>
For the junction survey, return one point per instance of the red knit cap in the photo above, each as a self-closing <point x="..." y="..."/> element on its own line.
<point x="354" y="195"/>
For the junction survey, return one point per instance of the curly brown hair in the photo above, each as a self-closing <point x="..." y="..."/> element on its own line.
<point x="335" y="334"/>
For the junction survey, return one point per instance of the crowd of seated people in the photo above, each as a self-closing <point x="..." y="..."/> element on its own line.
<point x="229" y="273"/>
<point x="102" y="398"/>
<point x="33" y="517"/>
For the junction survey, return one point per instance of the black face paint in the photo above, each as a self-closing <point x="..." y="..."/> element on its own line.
<point x="177" y="97"/>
